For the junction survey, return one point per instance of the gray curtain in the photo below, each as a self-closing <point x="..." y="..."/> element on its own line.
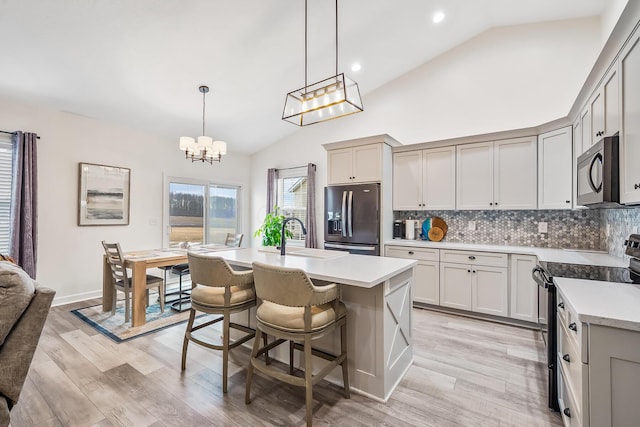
<point x="310" y="240"/>
<point x="271" y="188"/>
<point x="24" y="206"/>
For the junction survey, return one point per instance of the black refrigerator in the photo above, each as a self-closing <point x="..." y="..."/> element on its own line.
<point x="352" y="218"/>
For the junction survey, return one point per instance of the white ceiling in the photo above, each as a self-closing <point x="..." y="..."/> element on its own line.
<point x="139" y="63"/>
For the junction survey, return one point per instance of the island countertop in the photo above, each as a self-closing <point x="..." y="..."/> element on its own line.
<point x="363" y="271"/>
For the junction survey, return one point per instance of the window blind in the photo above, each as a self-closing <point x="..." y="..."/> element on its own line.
<point x="6" y="173"/>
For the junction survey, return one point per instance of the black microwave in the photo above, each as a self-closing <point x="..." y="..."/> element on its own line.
<point x="598" y="174"/>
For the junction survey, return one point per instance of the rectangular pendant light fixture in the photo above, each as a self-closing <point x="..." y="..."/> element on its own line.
<point x="331" y="98"/>
<point x="327" y="99"/>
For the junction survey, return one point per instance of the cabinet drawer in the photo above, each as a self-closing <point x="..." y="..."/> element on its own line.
<point x="570" y="411"/>
<point x="577" y="332"/>
<point x="577" y="378"/>
<point x="423" y="254"/>
<point x="490" y="259"/>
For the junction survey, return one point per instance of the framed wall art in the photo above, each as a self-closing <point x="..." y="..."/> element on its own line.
<point x="103" y="195"/>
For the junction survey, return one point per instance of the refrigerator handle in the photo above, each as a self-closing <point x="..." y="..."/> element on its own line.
<point x="344" y="214"/>
<point x="350" y="213"/>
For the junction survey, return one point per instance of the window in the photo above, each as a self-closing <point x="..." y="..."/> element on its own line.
<point x="291" y="192"/>
<point x="6" y="173"/>
<point x="201" y="212"/>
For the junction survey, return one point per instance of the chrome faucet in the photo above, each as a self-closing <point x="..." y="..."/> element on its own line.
<point x="283" y="237"/>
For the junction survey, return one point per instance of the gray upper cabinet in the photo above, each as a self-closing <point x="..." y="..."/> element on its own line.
<point x="629" y="69"/>
<point x="555" y="177"/>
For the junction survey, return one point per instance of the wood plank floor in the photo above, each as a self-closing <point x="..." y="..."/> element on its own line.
<point x="466" y="372"/>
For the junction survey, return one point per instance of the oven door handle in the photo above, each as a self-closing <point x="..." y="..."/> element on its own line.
<point x="538" y="276"/>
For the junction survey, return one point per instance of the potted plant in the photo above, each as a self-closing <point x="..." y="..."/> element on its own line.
<point x="271" y="228"/>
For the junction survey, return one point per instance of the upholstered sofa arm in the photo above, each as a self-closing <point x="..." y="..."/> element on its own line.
<point x="324" y="294"/>
<point x="20" y="344"/>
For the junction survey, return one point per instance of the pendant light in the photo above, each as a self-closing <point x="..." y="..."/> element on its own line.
<point x="204" y="149"/>
<point x="331" y="98"/>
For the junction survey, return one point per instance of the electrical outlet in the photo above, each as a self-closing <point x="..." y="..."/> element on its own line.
<point x="472" y="225"/>
<point x="607" y="230"/>
<point x="153" y="221"/>
<point x="542" y="227"/>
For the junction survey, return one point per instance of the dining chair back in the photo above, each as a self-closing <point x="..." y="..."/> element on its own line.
<point x="122" y="282"/>
<point x="233" y="240"/>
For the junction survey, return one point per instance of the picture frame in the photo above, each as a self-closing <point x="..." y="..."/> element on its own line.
<point x="103" y="195"/>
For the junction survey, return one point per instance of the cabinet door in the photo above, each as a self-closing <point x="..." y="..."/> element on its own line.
<point x="489" y="290"/>
<point x="439" y="178"/>
<point x="426" y="282"/>
<point x="474" y="176"/>
<point x="614" y="375"/>
<point x="555" y="179"/>
<point x="585" y="121"/>
<point x="597" y="116"/>
<point x="340" y="166"/>
<point x="630" y="131"/>
<point x="455" y="286"/>
<point x="407" y="181"/>
<point x="611" y="103"/>
<point x="524" y="290"/>
<point x="367" y="163"/>
<point x="515" y="174"/>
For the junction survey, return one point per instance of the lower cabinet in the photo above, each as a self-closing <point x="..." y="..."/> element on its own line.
<point x="480" y="284"/>
<point x="426" y="275"/>
<point x="524" y="290"/>
<point x="492" y="283"/>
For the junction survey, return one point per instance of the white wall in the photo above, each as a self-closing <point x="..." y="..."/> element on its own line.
<point x="69" y="256"/>
<point x="506" y="78"/>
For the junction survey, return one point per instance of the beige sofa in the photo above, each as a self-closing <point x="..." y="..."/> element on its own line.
<point x="24" y="306"/>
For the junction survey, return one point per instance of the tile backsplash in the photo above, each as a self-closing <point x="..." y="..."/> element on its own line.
<point x="621" y="222"/>
<point x="578" y="229"/>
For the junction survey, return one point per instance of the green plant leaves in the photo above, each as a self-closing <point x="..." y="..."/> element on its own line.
<point x="271" y="228"/>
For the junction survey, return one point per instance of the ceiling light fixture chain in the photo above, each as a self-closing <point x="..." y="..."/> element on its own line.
<point x="204" y="149"/>
<point x="331" y="98"/>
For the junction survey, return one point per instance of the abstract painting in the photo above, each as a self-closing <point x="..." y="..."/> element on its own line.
<point x="104" y="195"/>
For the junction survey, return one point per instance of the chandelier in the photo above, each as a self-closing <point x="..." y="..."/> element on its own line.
<point x="331" y="98"/>
<point x="204" y="149"/>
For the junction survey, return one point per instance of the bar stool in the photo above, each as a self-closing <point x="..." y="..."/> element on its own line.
<point x="183" y="301"/>
<point x="294" y="309"/>
<point x="218" y="289"/>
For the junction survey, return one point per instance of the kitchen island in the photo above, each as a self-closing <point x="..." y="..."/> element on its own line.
<point x="377" y="293"/>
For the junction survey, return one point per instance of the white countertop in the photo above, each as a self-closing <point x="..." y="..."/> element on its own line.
<point x="566" y="256"/>
<point x="602" y="303"/>
<point x="335" y="266"/>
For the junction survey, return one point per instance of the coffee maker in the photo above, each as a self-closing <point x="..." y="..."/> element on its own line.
<point x="398" y="229"/>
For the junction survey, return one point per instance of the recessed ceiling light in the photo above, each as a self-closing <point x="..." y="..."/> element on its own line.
<point x="438" y="17"/>
<point x="355" y="67"/>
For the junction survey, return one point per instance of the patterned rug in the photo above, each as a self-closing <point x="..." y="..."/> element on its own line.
<point x="115" y="327"/>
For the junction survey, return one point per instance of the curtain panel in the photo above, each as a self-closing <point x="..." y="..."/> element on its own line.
<point x="310" y="239"/>
<point x="24" y="203"/>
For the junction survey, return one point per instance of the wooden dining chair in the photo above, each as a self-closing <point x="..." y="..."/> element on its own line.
<point x="233" y="240"/>
<point x="122" y="281"/>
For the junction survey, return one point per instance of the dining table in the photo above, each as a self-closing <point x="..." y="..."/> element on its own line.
<point x="139" y="262"/>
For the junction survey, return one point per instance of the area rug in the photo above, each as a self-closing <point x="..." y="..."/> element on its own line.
<point x="118" y="330"/>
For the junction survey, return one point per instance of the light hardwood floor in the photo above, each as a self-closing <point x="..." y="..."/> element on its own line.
<point x="466" y="373"/>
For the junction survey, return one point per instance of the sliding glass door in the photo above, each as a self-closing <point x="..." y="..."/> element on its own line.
<point x="200" y="212"/>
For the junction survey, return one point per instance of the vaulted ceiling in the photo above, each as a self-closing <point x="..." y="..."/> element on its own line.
<point x="139" y="63"/>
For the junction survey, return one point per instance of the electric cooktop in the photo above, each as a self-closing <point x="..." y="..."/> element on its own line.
<point x="591" y="272"/>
